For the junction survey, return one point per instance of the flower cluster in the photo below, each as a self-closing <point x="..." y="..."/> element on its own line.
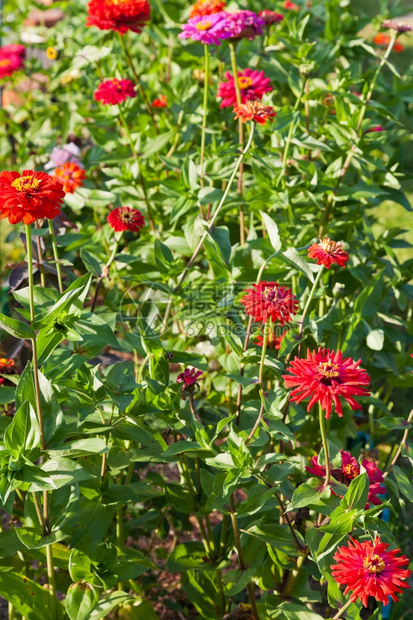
<point x="126" y="218"/>
<point x="29" y="196"/>
<point x="326" y="377"/>
<point x="111" y="92"/>
<point x="252" y="84"/>
<point x="269" y="301"/>
<point x="70" y="175"/>
<point x="11" y="59"/>
<point x="350" y="469"/>
<point x="119" y="15"/>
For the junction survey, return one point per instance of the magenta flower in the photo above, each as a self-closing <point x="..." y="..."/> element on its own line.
<point x="377" y="128"/>
<point x="207" y="29"/>
<point x="189" y="378"/>
<point x="271" y="17"/>
<point x="252" y="84"/>
<point x="62" y="154"/>
<point x="245" y="24"/>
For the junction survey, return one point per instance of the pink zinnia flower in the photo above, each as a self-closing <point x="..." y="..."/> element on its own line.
<point x="252" y="84"/>
<point x="207" y="29"/>
<point x="326" y="377"/>
<point x="115" y="91"/>
<point x="271" y="17"/>
<point x="268" y="300"/>
<point x="245" y="24"/>
<point x="11" y="59"/>
<point x="350" y="469"/>
<point x="368" y="569"/>
<point x="328" y="252"/>
<point x="126" y="218"/>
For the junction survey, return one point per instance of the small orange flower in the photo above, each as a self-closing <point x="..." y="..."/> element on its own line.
<point x="160" y="102"/>
<point x="6" y="364"/>
<point x="290" y="6"/>
<point x="70" y="175"/>
<point x="207" y="7"/>
<point x="384" y="39"/>
<point x="254" y="111"/>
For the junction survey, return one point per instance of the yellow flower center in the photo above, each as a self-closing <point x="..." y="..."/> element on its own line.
<point x="374" y="564"/>
<point x="25" y="184"/>
<point x="329" y="246"/>
<point x="350" y="471"/>
<point x="5" y="62"/>
<point x="328" y="370"/>
<point x="203" y="25"/>
<point x="244" y="82"/>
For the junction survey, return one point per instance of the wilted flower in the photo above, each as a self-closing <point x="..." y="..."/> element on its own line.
<point x="325" y="377"/>
<point x="207" y="7"/>
<point x="268" y="300"/>
<point x="119" y="15"/>
<point x="350" y="469"/>
<point x="271" y="17"/>
<point x="396" y="26"/>
<point x="254" y="111"/>
<point x="207" y="29"/>
<point x="368" y="569"/>
<point x="328" y="252"/>
<point x="189" y="379"/>
<point x="30" y="196"/>
<point x="245" y="24"/>
<point x="70" y="175"/>
<point x="384" y="39"/>
<point x="126" y="218"/>
<point x="160" y="102"/>
<point x="252" y="84"/>
<point x="62" y="154"/>
<point x="114" y="91"/>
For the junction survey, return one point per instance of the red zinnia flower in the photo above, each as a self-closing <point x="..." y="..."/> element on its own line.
<point x="384" y="39"/>
<point x="9" y="61"/>
<point x="71" y="176"/>
<point x="189" y="378"/>
<point x="207" y="7"/>
<point x="267" y="300"/>
<point x="326" y="376"/>
<point x="6" y="364"/>
<point x="349" y="470"/>
<point x="368" y="569"/>
<point x="271" y="17"/>
<point x="126" y="218"/>
<point x="160" y="103"/>
<point x="254" y="111"/>
<point x="328" y="252"/>
<point x="273" y="340"/>
<point x="291" y="6"/>
<point x="115" y="91"/>
<point x="30" y="196"/>
<point x="119" y="15"/>
<point x="252" y="84"/>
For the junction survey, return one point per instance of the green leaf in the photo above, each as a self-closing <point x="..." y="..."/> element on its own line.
<point x="76" y="291"/>
<point x="272" y="230"/>
<point x="64" y="471"/>
<point x="278" y="536"/>
<point x="108" y="603"/>
<point x="189" y="556"/>
<point x="16" y="328"/>
<point x="81" y="600"/>
<point x="23" y="434"/>
<point x="80" y="447"/>
<point x="28" y="597"/>
<point x="6" y="395"/>
<point x="403" y="482"/>
<point x="220" y="235"/>
<point x="356" y="496"/>
<point x="293" y="257"/>
<point x="93" y="522"/>
<point x="311" y="492"/>
<point x="375" y="339"/>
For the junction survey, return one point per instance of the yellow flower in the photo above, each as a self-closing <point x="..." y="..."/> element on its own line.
<point x="51" y="53"/>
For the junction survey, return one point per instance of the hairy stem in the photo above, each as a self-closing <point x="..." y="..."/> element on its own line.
<point x="322" y="421"/>
<point x="307" y="305"/>
<point x="56" y="256"/>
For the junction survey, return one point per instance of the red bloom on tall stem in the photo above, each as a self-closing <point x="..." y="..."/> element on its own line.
<point x="119" y="15"/>
<point x="268" y="300"/>
<point x="328" y="252"/>
<point x="252" y="85"/>
<point x="350" y="469"/>
<point x="384" y="39"/>
<point x="271" y="17"/>
<point x="290" y="6"/>
<point x="29" y="196"/>
<point x="126" y="218"/>
<point x="160" y="102"/>
<point x="114" y="91"/>
<point x="273" y="341"/>
<point x="326" y="377"/>
<point x="368" y="569"/>
<point x="255" y="111"/>
<point x="207" y="7"/>
<point x="70" y="175"/>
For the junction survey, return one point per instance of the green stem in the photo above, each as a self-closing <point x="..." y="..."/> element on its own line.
<point x="205" y="111"/>
<point x="235" y="71"/>
<point x="322" y="420"/>
<point x="105" y="270"/>
<point x="56" y="256"/>
<point x="307" y="305"/>
<point x="39" y="512"/>
<point x="218" y="209"/>
<point x="291" y="131"/>
<point x="293" y="576"/>
<point x="234" y="67"/>
<point x="342" y="610"/>
<point x="51" y="581"/>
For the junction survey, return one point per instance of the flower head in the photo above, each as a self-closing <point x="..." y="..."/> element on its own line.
<point x="271" y="17"/>
<point x="368" y="569"/>
<point x="376" y="129"/>
<point x="70" y="175"/>
<point x="290" y="6"/>
<point x="119" y="15"/>
<point x="207" y="7"/>
<point x="255" y="111"/>
<point x="6" y="365"/>
<point x="160" y="102"/>
<point x="328" y="252"/>
<point x="126" y="218"/>
<point x="252" y="85"/>
<point x="51" y="53"/>
<point x="62" y="154"/>
<point x="11" y="59"/>
<point x="207" y="29"/>
<point x="384" y="39"/>
<point x="325" y="377"/>
<point x="268" y="300"/>
<point x="29" y="196"/>
<point x="396" y="26"/>
<point x="245" y="24"/>
<point x="350" y="469"/>
<point x="115" y="91"/>
<point x="189" y="379"/>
